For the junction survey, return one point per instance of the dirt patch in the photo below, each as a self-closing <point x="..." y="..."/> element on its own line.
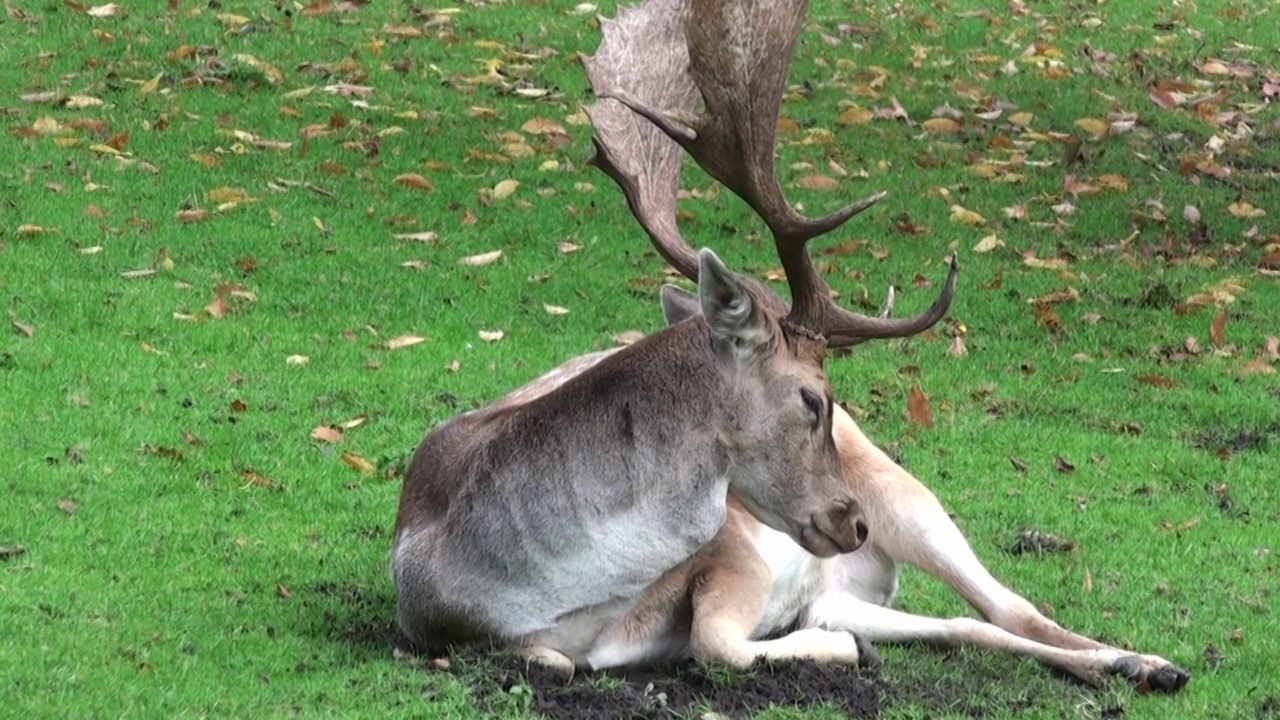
<point x="684" y="690"/>
<point x="1229" y="442"/>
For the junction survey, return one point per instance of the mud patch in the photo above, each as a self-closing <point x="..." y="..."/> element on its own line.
<point x="353" y="614"/>
<point x="684" y="690"/>
<point x="1230" y="442"/>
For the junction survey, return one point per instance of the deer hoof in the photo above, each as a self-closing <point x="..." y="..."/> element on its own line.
<point x="549" y="659"/>
<point x="1149" y="674"/>
<point x="868" y="656"/>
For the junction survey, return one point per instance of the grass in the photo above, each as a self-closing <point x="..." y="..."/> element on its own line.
<point x="177" y="544"/>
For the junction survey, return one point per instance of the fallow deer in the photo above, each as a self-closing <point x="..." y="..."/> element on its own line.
<point x="697" y="494"/>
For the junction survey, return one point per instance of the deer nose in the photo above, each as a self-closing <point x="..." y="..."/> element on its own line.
<point x="846" y="526"/>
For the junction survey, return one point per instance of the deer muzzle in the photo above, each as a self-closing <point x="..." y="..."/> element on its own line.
<point x="836" y="531"/>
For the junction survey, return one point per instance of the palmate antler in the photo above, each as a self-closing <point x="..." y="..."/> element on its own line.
<point x="654" y="62"/>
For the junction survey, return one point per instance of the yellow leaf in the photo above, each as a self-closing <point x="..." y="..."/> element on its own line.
<point x="103" y="149"/>
<point x="505" y="188"/>
<point x="855" y="116"/>
<point x="1243" y="209"/>
<point x="940" y="126"/>
<point x="80" y="102"/>
<point x="231" y="21"/>
<point x="1113" y="182"/>
<point x="226" y="195"/>
<point x="1045" y="264"/>
<point x="269" y="71"/>
<point x="1093" y="126"/>
<point x="151" y="85"/>
<point x="987" y="244"/>
<point x="966" y="217"/>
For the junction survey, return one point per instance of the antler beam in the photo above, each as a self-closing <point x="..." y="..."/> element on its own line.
<point x="736" y="56"/>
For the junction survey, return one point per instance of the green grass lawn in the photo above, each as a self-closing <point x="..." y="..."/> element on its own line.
<point x="216" y="219"/>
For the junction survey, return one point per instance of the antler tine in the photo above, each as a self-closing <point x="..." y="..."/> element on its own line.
<point x="739" y="55"/>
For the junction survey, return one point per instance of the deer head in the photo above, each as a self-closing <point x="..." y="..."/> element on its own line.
<point x="653" y="65"/>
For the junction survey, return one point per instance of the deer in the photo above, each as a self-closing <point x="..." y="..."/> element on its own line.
<point x="699" y="494"/>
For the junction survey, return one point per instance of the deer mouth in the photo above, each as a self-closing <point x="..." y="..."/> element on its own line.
<point x="824" y="539"/>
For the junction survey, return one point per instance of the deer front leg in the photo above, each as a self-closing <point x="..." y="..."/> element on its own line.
<point x="728" y="596"/>
<point x="875" y="623"/>
<point x="908" y="524"/>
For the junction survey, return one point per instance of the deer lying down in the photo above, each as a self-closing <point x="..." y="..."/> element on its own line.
<point x="751" y="583"/>
<point x="699" y="491"/>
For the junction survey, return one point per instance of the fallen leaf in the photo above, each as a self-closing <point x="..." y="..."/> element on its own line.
<point x="505" y="188"/>
<point x="1242" y="209"/>
<point x="192" y="216"/>
<point x="283" y="592"/>
<point x="68" y="506"/>
<point x="565" y="247"/>
<point x="957" y="348"/>
<point x="987" y="244"/>
<point x="555" y="309"/>
<point x="491" y="335"/>
<point x="543" y="126"/>
<point x="357" y="463"/>
<point x="482" y="259"/>
<point x="1047" y="317"/>
<point x="627" y="337"/>
<point x="415" y="181"/>
<point x="22" y="328"/>
<point x="1191" y="214"/>
<point x="1061" y="465"/>
<point x="253" y="478"/>
<point x="1093" y="126"/>
<point x="297" y="360"/>
<point x="940" y="126"/>
<point x="1271" y="348"/>
<point x="818" y="182"/>
<point x="966" y="217"/>
<point x="11" y="551"/>
<point x="326" y="433"/>
<point x="918" y="408"/>
<point x="1216" y="330"/>
<point x="1159" y="381"/>
<point x="1018" y="464"/>
<point x="404" y="341"/>
<point x="422" y="237"/>
<point x="1164" y="98"/>
<point x="1257" y="365"/>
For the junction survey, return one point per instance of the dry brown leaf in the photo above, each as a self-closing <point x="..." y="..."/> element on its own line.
<point x="855" y="116"/>
<point x="1271" y="348"/>
<point x="1216" y="330"/>
<point x="1061" y="296"/>
<point x="68" y="506"/>
<point x="192" y="216"/>
<point x="1047" y="317"/>
<point x="818" y="182"/>
<point x="218" y="308"/>
<point x="357" y="463"/>
<point x="918" y="410"/>
<point x="1159" y="381"/>
<point x="940" y="126"/>
<point x="326" y="433"/>
<point x="1257" y="365"/>
<point x="1093" y="126"/>
<point x="256" y="480"/>
<point x="22" y="328"/>
<point x="543" y="126"/>
<point x="1113" y="182"/>
<point x="415" y="181"/>
<point x="1164" y="98"/>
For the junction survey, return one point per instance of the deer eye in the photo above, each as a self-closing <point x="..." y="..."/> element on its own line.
<point x="813" y="403"/>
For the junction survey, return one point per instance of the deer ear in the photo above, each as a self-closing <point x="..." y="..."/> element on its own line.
<point x="678" y="304"/>
<point x="729" y="310"/>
